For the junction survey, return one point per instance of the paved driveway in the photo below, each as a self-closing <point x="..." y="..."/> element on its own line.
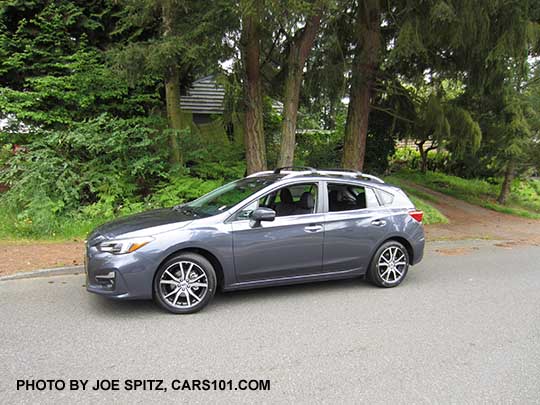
<point x="464" y="327"/>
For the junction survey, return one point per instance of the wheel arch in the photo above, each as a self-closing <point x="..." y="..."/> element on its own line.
<point x="404" y="242"/>
<point x="214" y="261"/>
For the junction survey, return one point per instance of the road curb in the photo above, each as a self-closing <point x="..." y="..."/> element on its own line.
<point x="59" y="271"/>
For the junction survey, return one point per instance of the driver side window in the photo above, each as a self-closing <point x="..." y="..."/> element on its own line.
<point x="296" y="199"/>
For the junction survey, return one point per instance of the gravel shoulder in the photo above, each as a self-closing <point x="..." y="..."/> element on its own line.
<point x="26" y="256"/>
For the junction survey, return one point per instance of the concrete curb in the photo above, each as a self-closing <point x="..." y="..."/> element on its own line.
<point x="59" y="271"/>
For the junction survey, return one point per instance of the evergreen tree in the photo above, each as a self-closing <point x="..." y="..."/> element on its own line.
<point x="298" y="47"/>
<point x="254" y="141"/>
<point x="52" y="71"/>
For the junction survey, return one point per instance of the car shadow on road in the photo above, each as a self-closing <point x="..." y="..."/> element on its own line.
<point x="319" y="288"/>
<point x="227" y="301"/>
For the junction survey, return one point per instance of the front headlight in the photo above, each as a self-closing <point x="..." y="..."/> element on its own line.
<point x="122" y="246"/>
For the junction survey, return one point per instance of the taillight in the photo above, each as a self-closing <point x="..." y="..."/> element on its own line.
<point x="417" y="215"/>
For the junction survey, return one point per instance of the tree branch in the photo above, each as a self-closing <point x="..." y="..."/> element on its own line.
<point x="391" y="113"/>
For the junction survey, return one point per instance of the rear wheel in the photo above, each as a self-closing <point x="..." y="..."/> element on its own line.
<point x="184" y="284"/>
<point x="389" y="265"/>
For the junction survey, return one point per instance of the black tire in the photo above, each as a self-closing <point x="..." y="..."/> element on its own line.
<point x="382" y="275"/>
<point x="172" y="285"/>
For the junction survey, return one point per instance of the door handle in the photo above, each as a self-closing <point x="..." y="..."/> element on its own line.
<point x="378" y="222"/>
<point x="313" y="228"/>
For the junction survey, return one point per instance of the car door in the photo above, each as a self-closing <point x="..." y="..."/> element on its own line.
<point x="289" y="246"/>
<point x="353" y="224"/>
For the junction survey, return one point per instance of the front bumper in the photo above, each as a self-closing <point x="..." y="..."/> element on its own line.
<point x="128" y="276"/>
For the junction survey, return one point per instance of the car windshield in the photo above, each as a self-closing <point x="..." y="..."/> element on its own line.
<point x="227" y="196"/>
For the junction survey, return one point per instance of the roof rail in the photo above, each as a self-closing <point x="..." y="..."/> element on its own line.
<point x="350" y="173"/>
<point x="300" y="168"/>
<point x="260" y="173"/>
<point x="303" y="170"/>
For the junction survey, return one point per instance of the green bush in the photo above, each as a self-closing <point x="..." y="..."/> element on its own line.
<point x="105" y="163"/>
<point x="181" y="189"/>
<point x="321" y="149"/>
<point x="69" y="181"/>
<point x="408" y="157"/>
<point x="209" y="160"/>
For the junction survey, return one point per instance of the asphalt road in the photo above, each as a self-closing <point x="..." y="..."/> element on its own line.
<point x="463" y="328"/>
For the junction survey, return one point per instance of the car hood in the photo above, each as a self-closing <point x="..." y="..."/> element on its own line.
<point x="143" y="224"/>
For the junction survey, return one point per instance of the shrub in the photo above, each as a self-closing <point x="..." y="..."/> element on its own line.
<point x="105" y="163"/>
<point x="321" y="149"/>
<point x="181" y="189"/>
<point x="408" y="157"/>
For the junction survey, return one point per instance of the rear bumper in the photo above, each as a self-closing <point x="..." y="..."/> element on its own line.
<point x="418" y="245"/>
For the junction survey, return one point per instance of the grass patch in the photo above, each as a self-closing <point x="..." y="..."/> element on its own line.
<point x="524" y="200"/>
<point x="421" y="200"/>
<point x="431" y="214"/>
<point x="411" y="191"/>
<point x="66" y="229"/>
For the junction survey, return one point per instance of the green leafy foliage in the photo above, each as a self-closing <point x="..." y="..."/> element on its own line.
<point x="409" y="157"/>
<point x="106" y="161"/>
<point x="319" y="148"/>
<point x="181" y="189"/>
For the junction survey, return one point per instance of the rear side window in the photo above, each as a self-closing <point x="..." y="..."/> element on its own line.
<point x="348" y="197"/>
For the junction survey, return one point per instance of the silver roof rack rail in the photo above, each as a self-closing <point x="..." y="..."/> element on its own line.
<point x="260" y="173"/>
<point x="288" y="171"/>
<point x="351" y="173"/>
<point x="292" y="171"/>
<point x="295" y="168"/>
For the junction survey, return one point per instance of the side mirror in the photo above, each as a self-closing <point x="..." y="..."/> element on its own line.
<point x="263" y="214"/>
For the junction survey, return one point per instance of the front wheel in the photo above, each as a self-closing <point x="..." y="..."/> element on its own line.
<point x="185" y="283"/>
<point x="389" y="265"/>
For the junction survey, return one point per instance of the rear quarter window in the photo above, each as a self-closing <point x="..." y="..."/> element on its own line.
<point x="385" y="198"/>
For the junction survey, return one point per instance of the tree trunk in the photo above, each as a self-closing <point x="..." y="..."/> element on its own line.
<point x="172" y="95"/>
<point x="253" y="118"/>
<point x="174" y="115"/>
<point x="423" y="156"/>
<point x="507" y="183"/>
<point x="298" y="52"/>
<point x="363" y="74"/>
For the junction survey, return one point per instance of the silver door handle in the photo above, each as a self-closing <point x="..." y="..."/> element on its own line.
<point x="313" y="228"/>
<point x="378" y="222"/>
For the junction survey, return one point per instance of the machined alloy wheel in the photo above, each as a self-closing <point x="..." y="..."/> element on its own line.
<point x="392" y="264"/>
<point x="185" y="283"/>
<point x="389" y="265"/>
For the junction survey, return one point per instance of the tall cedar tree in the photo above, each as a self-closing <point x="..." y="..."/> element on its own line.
<point x="254" y="141"/>
<point x="299" y="48"/>
<point x="365" y="64"/>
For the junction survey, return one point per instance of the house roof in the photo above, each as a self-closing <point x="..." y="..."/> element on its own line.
<point x="205" y="96"/>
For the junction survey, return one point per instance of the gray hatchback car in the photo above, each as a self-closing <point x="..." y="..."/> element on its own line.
<point x="290" y="225"/>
